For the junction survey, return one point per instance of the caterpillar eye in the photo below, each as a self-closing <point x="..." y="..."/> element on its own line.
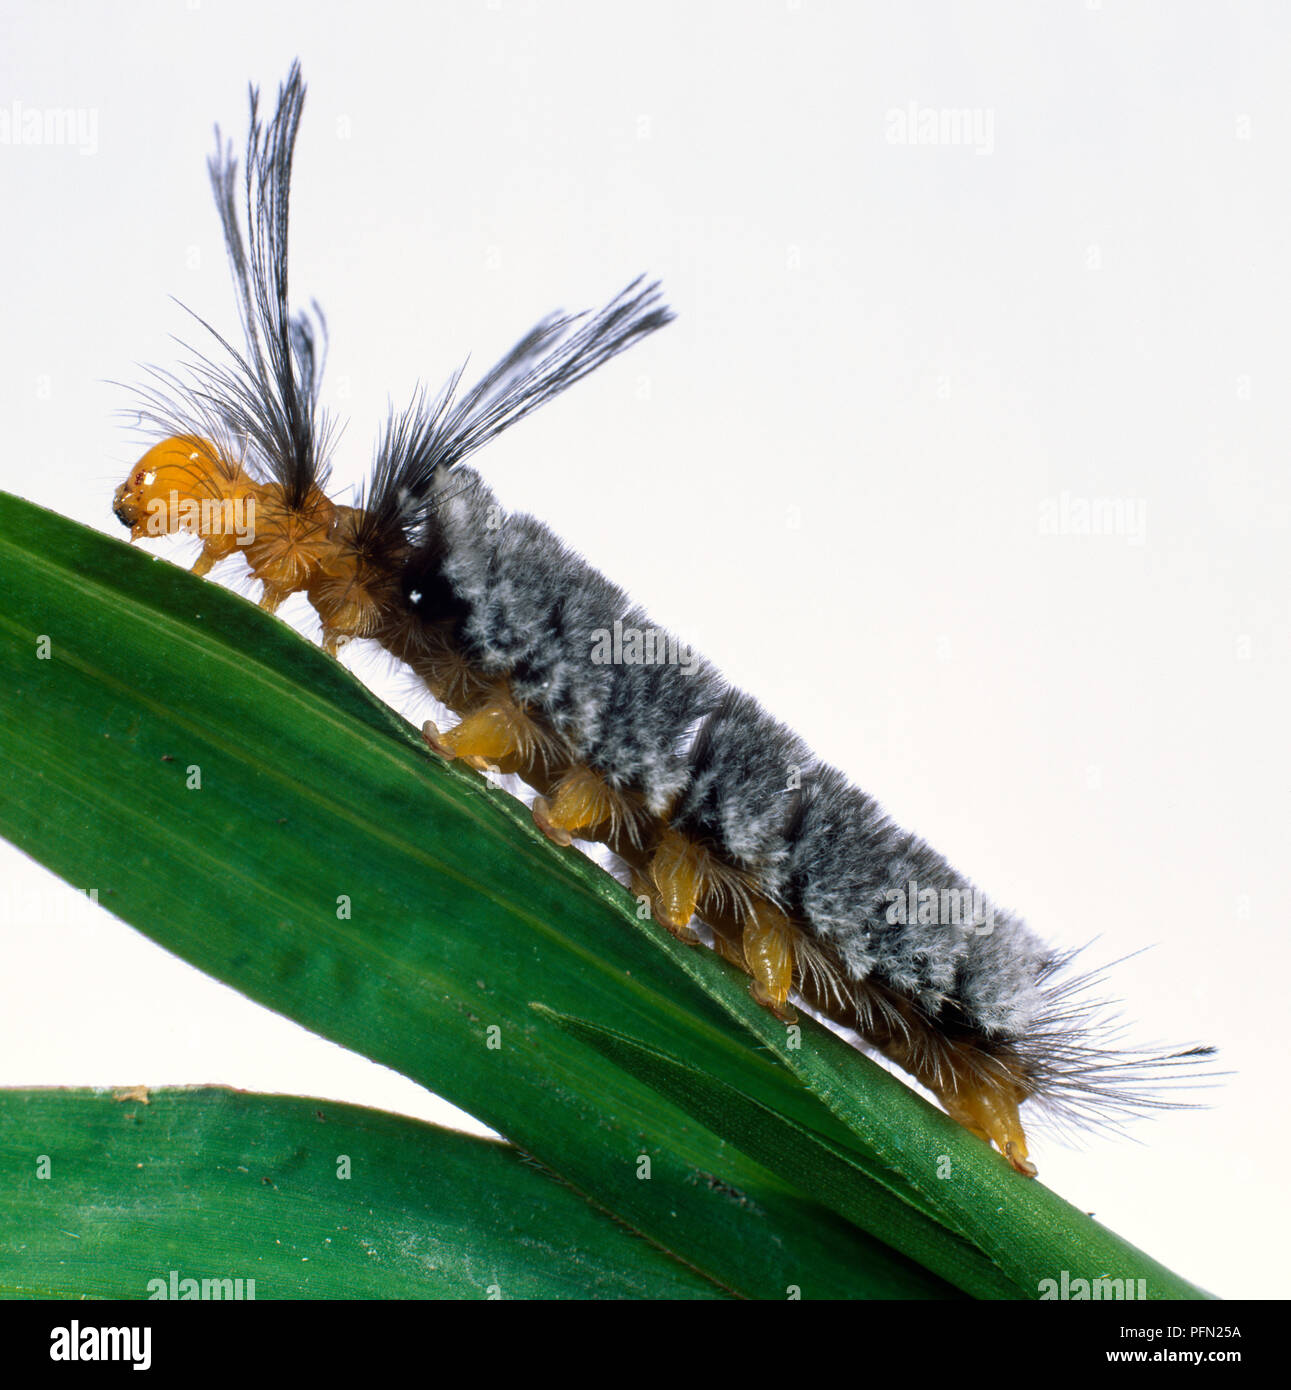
<point x="124" y="508"/>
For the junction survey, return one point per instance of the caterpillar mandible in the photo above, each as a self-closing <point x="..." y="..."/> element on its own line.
<point x="722" y="815"/>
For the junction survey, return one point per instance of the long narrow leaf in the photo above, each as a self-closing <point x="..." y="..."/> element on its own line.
<point x="843" y="1181"/>
<point x="225" y="1194"/>
<point x="1028" y="1231"/>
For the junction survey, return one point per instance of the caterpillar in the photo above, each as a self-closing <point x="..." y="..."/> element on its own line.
<point x="728" y="826"/>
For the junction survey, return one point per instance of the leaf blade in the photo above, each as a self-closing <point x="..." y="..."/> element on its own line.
<point x="843" y="1181"/>
<point x="306" y="1198"/>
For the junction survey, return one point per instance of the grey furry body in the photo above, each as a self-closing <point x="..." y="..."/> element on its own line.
<point x="537" y="612"/>
<point x="726" y="773"/>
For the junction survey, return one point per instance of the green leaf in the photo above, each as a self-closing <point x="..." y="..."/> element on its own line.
<point x="1029" y="1232"/>
<point x="328" y="868"/>
<point x="849" y="1183"/>
<point x="307" y="1198"/>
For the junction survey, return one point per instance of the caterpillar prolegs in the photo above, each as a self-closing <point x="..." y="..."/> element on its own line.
<point x="722" y="815"/>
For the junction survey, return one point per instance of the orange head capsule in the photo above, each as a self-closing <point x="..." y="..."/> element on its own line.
<point x="183" y="484"/>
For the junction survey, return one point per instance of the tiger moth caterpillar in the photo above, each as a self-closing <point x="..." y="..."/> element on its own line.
<point x="722" y="815"/>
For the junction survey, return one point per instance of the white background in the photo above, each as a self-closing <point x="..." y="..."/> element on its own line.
<point x="829" y="473"/>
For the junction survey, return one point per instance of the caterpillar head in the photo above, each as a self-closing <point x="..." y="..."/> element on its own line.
<point x="168" y="488"/>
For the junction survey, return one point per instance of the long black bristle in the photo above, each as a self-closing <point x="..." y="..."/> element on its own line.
<point x="261" y="403"/>
<point x="434" y="434"/>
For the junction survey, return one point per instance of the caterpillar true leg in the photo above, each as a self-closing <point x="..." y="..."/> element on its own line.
<point x="581" y="801"/>
<point x="992" y="1115"/>
<point x="641" y="887"/>
<point x="584" y="801"/>
<point x="677" y="869"/>
<point x="499" y="733"/>
<point x="768" y="956"/>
